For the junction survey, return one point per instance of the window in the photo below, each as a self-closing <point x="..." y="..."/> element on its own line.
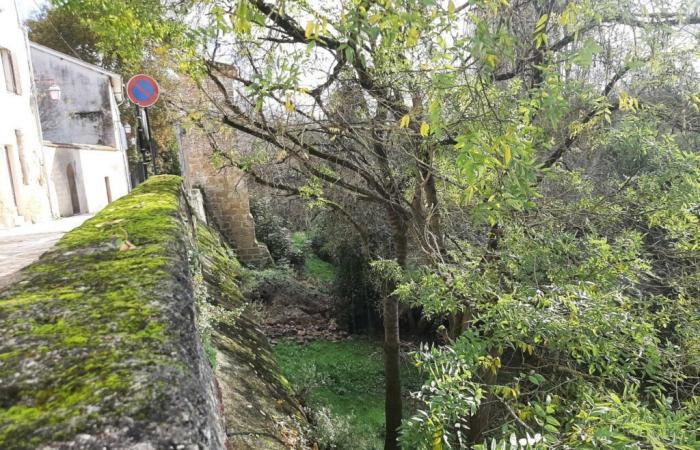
<point x="9" y="69"/>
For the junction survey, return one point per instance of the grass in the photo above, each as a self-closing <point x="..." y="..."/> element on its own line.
<point x="299" y="239"/>
<point x="319" y="269"/>
<point x="314" y="267"/>
<point x="347" y="378"/>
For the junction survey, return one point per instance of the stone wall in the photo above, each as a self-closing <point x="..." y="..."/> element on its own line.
<point x="104" y="341"/>
<point x="225" y="195"/>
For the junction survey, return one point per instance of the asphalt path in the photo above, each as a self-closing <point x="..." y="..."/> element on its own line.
<point x="21" y="246"/>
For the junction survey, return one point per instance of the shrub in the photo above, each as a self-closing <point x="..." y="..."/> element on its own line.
<point x="273" y="230"/>
<point x="331" y="431"/>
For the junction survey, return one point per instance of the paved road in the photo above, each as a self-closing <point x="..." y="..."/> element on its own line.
<point x="21" y="246"/>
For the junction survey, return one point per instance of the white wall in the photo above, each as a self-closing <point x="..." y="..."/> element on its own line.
<point x="41" y="182"/>
<point x="84" y="114"/>
<point x="17" y="113"/>
<point x="92" y="165"/>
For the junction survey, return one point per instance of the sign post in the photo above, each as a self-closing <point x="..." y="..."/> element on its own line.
<point x="143" y="91"/>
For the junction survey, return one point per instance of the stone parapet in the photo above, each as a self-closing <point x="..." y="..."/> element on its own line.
<point x="101" y="342"/>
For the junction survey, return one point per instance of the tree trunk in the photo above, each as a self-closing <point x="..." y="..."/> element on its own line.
<point x="479" y="422"/>
<point x="393" y="408"/>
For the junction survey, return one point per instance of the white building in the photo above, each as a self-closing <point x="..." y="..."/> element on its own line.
<point x="62" y="143"/>
<point x="24" y="185"/>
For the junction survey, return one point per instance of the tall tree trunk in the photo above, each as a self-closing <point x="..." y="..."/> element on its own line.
<point x="393" y="406"/>
<point x="479" y="422"/>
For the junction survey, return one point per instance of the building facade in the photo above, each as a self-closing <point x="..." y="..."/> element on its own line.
<point x="84" y="141"/>
<point x="62" y="142"/>
<point x="24" y="184"/>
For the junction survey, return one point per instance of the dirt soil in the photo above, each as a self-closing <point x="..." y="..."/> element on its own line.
<point x="297" y="310"/>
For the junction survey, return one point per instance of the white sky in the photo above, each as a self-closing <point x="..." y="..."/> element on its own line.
<point x="27" y="7"/>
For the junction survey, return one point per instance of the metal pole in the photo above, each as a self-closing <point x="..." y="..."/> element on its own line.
<point x="151" y="145"/>
<point x="140" y="140"/>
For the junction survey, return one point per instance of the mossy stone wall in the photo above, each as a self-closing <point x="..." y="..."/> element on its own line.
<point x="98" y="343"/>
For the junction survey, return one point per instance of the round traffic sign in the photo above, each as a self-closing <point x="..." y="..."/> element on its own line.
<point x="142" y="90"/>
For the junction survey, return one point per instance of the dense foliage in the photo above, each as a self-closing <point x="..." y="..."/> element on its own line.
<point x="534" y="165"/>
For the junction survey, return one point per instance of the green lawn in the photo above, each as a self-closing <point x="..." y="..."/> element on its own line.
<point x="314" y="267"/>
<point x="347" y="378"/>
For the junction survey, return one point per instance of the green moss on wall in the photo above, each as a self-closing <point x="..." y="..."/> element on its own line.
<point x="254" y="394"/>
<point x="98" y="339"/>
<point x="79" y="333"/>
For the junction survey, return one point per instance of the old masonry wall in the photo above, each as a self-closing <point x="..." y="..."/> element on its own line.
<point x="132" y="334"/>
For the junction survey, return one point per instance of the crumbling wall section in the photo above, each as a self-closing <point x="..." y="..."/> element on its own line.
<point x="225" y="196"/>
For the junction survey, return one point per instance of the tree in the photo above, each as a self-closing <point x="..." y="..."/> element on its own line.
<point x="61" y="30"/>
<point x="427" y="110"/>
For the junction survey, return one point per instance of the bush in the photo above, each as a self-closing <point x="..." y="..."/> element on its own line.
<point x="331" y="431"/>
<point x="255" y="284"/>
<point x="273" y="230"/>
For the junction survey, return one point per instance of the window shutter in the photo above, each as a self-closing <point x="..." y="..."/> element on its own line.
<point x="15" y="73"/>
<point x="10" y="71"/>
<point x="7" y="69"/>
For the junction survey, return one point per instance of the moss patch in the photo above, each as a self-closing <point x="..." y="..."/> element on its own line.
<point x="98" y="345"/>
<point x="80" y="333"/>
<point x="260" y="411"/>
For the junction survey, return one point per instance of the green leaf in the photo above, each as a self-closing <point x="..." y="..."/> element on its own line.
<point x="349" y="54"/>
<point x="541" y="22"/>
<point x="507" y="155"/>
<point x="584" y="57"/>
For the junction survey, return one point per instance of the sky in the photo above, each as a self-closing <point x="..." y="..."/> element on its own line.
<point x="27" y="7"/>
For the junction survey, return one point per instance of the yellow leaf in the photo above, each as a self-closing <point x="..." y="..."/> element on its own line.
<point x="405" y="120"/>
<point x="437" y="438"/>
<point x="424" y="129"/>
<point x="540" y="40"/>
<point x="288" y="105"/>
<point x="309" y="29"/>
<point x="491" y="59"/>
<point x="126" y="246"/>
<point x="412" y="36"/>
<point x="507" y="155"/>
<point x="451" y="7"/>
<point x="470" y="194"/>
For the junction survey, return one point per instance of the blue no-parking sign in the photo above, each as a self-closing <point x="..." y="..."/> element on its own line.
<point x="142" y="90"/>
